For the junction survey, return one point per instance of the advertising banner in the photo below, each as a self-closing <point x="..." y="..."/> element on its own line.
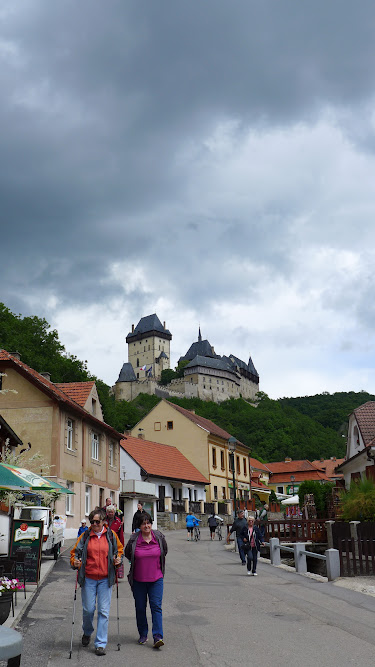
<point x="28" y="536"/>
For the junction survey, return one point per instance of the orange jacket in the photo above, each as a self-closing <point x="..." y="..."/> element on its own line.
<point x="96" y="561"/>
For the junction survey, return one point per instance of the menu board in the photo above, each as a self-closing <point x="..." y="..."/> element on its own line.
<point x="28" y="536"/>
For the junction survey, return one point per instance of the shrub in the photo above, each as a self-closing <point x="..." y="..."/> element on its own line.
<point x="321" y="493"/>
<point x="359" y="502"/>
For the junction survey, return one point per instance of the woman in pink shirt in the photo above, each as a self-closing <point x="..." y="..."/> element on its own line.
<point x="146" y="551"/>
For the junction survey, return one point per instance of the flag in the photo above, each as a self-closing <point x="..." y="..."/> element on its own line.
<point x="149" y="372"/>
<point x="143" y="368"/>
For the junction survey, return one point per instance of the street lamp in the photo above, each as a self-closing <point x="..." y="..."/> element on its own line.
<point x="232" y="448"/>
<point x="292" y="479"/>
<point x="250" y="469"/>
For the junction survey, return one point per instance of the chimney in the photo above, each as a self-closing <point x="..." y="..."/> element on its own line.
<point x="46" y="375"/>
<point x="333" y="458"/>
<point x="132" y="328"/>
<point x="16" y="355"/>
<point x="288" y="459"/>
<point x="164" y="325"/>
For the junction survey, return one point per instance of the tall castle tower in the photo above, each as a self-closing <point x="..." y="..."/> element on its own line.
<point x="149" y="347"/>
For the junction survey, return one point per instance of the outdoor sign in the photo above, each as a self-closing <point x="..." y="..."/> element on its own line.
<point x="292" y="489"/>
<point x="28" y="536"/>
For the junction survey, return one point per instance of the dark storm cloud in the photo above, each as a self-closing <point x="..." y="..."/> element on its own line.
<point x="97" y="101"/>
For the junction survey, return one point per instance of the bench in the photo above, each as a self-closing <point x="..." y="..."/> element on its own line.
<point x="10" y="646"/>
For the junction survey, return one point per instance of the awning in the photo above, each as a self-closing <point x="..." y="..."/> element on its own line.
<point x="293" y="500"/>
<point x="13" y="478"/>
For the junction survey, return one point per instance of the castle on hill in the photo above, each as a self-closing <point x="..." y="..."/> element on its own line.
<point x="207" y="375"/>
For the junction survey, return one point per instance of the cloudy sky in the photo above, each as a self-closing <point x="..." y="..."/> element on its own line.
<point x="210" y="161"/>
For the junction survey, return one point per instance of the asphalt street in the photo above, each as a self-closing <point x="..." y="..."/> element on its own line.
<point x="214" y="614"/>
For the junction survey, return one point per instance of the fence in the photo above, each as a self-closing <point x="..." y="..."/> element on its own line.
<point x="331" y="557"/>
<point x="298" y="530"/>
<point x="355" y="542"/>
<point x="194" y="506"/>
<point x="178" y="506"/>
<point x="209" y="508"/>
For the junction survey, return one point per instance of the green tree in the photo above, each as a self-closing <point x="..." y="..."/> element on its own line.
<point x="359" y="502"/>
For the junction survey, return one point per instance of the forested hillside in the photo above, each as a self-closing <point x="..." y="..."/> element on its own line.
<point x="306" y="427"/>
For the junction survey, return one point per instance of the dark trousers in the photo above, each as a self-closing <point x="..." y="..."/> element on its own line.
<point x="240" y="549"/>
<point x="153" y="590"/>
<point x="252" y="557"/>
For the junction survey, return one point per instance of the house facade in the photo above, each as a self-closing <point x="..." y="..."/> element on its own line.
<point x="204" y="444"/>
<point x="177" y="483"/>
<point x="360" y="450"/>
<point x="64" y="424"/>
<point x="287" y="476"/>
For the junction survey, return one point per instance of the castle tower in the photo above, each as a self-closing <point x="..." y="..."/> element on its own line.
<point x="149" y="347"/>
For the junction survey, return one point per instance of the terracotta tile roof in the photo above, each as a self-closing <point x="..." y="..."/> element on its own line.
<point x="299" y="476"/>
<point x="203" y="422"/>
<point x="290" y="466"/>
<point x="365" y="416"/>
<point x="328" y="467"/>
<point x="161" y="460"/>
<point x="77" y="391"/>
<point x="256" y="484"/>
<point x="257" y="465"/>
<point x="54" y="391"/>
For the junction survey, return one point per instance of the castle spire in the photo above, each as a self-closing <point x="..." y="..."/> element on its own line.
<point x="199" y="335"/>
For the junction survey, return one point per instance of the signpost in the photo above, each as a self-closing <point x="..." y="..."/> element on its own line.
<point x="28" y="536"/>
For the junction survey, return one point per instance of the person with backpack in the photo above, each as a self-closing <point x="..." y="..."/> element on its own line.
<point x="212" y="523"/>
<point x="96" y="555"/>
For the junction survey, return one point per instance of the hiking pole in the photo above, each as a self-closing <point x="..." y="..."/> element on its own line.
<point x="118" y="616"/>
<point x="74" y="613"/>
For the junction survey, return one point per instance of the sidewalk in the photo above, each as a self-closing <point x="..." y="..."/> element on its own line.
<point x="23" y="603"/>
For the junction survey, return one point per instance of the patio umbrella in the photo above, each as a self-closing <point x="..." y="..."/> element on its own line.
<point x="13" y="478"/>
<point x="293" y="500"/>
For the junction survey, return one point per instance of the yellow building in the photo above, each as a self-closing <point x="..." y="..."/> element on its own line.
<point x="64" y="423"/>
<point x="204" y="444"/>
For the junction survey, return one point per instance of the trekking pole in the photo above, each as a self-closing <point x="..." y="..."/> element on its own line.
<point x="74" y="613"/>
<point x="118" y="616"/>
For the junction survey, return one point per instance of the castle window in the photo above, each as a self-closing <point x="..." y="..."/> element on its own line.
<point x="137" y="363"/>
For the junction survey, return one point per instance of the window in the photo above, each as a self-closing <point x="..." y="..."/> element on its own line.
<point x="101" y="497"/>
<point x="215" y="492"/>
<point x="87" y="499"/>
<point x="214" y="457"/>
<point x="169" y="426"/>
<point x="280" y="489"/>
<point x="93" y="406"/>
<point x="111" y="452"/>
<point x="112" y="496"/>
<point x="231" y="457"/>
<point x="222" y="459"/>
<point x="238" y="465"/>
<point x="69" y="498"/>
<point x="69" y="434"/>
<point x="223" y="492"/>
<point x="157" y="426"/>
<point x="244" y="467"/>
<point x="95" y="446"/>
<point x="195" y="495"/>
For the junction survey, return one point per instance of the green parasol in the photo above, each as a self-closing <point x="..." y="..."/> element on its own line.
<point x="13" y="478"/>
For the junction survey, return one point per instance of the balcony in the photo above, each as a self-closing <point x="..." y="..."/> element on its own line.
<point x="134" y="487"/>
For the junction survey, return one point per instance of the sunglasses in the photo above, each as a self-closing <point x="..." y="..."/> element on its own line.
<point x="96" y="522"/>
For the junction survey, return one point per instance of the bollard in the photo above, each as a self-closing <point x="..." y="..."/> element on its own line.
<point x="333" y="563"/>
<point x="275" y="554"/>
<point x="300" y="562"/>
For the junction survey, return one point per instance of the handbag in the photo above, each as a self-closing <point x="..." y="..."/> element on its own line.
<point x="246" y="548"/>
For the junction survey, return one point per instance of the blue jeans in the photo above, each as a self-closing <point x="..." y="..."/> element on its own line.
<point x="96" y="589"/>
<point x="240" y="549"/>
<point x="252" y="556"/>
<point x="154" y="591"/>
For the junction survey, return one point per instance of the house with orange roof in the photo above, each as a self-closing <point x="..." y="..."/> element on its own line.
<point x="177" y="484"/>
<point x="360" y="449"/>
<point x="329" y="467"/>
<point x="64" y="423"/>
<point x="286" y="476"/>
<point x="204" y="444"/>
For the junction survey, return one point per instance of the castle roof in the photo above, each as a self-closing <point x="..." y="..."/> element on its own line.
<point x="201" y="348"/>
<point x="127" y="373"/>
<point x="149" y="325"/>
<point x="208" y="362"/>
<point x="241" y="364"/>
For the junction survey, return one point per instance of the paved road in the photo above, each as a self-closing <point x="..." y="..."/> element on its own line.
<point x="214" y="614"/>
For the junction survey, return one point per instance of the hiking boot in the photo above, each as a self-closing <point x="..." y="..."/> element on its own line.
<point x="99" y="650"/>
<point x="85" y="640"/>
<point x="158" y="641"/>
<point x="142" y="640"/>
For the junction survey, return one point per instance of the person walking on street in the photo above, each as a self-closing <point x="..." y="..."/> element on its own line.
<point x="115" y="524"/>
<point x="138" y="517"/>
<point x="237" y="527"/>
<point x="212" y="522"/>
<point x="191" y="521"/>
<point x="262" y="516"/>
<point x="252" y="540"/>
<point x="82" y="528"/>
<point x="96" y="554"/>
<point x="146" y="551"/>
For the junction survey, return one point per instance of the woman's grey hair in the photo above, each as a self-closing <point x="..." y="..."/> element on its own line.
<point x="111" y="508"/>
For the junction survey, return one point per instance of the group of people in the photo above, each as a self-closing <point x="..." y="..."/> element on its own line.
<point x="249" y="537"/>
<point x="191" y="521"/>
<point x="98" y="555"/>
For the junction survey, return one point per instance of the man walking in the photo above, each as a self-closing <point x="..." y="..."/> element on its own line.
<point x="138" y="517"/>
<point x="238" y="525"/>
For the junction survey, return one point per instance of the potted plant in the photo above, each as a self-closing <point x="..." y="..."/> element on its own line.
<point x="7" y="588"/>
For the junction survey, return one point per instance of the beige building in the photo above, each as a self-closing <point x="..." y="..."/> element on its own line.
<point x="203" y="443"/>
<point x="64" y="423"/>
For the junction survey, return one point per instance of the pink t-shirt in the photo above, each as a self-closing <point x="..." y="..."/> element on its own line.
<point x="147" y="560"/>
